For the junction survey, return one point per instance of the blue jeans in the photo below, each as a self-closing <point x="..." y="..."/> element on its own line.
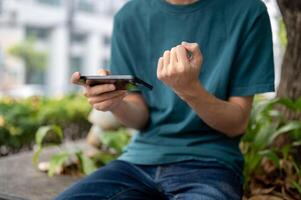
<point x="187" y="180"/>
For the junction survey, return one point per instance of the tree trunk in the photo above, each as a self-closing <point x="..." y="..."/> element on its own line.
<point x="290" y="83"/>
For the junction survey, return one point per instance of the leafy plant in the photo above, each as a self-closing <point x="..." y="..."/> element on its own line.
<point x="21" y="118"/>
<point x="116" y="140"/>
<point x="113" y="141"/>
<point x="41" y="136"/>
<point x="261" y="156"/>
<point x="57" y="162"/>
<point x="87" y="165"/>
<point x="52" y="136"/>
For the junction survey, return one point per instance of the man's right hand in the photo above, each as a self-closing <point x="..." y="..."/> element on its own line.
<point x="103" y="97"/>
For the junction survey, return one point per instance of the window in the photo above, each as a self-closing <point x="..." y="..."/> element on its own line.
<point x="1" y="7"/>
<point x="35" y="76"/>
<point x="50" y="2"/>
<point x="76" y="64"/>
<point x="37" y="32"/>
<point x="86" y="6"/>
<point x="106" y="40"/>
<point x="78" y="37"/>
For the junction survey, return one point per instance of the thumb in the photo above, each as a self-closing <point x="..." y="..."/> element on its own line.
<point x="103" y="72"/>
<point x="194" y="49"/>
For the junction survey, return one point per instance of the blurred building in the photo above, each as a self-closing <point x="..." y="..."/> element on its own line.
<point x="75" y="34"/>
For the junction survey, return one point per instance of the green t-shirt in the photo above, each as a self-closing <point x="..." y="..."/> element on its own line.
<point x="236" y="41"/>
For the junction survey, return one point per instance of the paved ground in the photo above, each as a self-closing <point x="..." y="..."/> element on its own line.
<point x="19" y="180"/>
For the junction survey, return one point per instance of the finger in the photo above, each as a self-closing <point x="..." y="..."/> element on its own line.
<point x="182" y="54"/>
<point x="159" y="67"/>
<point x="100" y="89"/>
<point x="75" y="78"/>
<point x="173" y="56"/>
<point x="103" y="72"/>
<point x="106" y="96"/>
<point x="195" y="50"/>
<point x="192" y="47"/>
<point x="166" y="58"/>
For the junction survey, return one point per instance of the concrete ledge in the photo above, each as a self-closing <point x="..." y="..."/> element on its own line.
<point x="19" y="180"/>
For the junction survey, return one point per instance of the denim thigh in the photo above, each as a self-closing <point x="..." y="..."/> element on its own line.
<point x="118" y="180"/>
<point x="198" y="180"/>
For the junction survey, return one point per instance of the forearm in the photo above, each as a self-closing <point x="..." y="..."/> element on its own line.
<point x="132" y="112"/>
<point x="224" y="116"/>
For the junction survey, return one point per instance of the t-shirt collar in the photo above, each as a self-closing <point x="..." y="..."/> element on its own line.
<point x="181" y="8"/>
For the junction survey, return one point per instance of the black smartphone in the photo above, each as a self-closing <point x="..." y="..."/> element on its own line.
<point x="122" y="82"/>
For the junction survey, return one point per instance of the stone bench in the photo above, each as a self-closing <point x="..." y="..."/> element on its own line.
<point x="19" y="180"/>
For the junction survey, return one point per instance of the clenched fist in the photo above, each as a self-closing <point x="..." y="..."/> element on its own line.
<point x="180" y="67"/>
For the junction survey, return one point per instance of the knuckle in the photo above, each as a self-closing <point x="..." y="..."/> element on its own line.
<point x="166" y="52"/>
<point x="106" y="105"/>
<point x="173" y="73"/>
<point x="181" y="69"/>
<point x="169" y="74"/>
<point x="90" y="101"/>
<point x="162" y="76"/>
<point x="97" y="107"/>
<point x="195" y="46"/>
<point x="88" y="93"/>
<point x="100" y="106"/>
<point x="158" y="75"/>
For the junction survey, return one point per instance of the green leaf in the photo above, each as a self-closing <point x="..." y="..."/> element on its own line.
<point x="36" y="156"/>
<point x="297" y="186"/>
<point x="293" y="125"/>
<point x="271" y="155"/>
<point x="297" y="168"/>
<point x="286" y="150"/>
<point x="116" y="140"/>
<point x="42" y="132"/>
<point x="288" y="103"/>
<point x="87" y="164"/>
<point x="40" y="136"/>
<point x="297" y="143"/>
<point x="56" y="162"/>
<point x="298" y="103"/>
<point x="104" y="158"/>
<point x="261" y="139"/>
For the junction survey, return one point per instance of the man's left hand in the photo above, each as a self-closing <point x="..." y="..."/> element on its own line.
<point x="180" y="67"/>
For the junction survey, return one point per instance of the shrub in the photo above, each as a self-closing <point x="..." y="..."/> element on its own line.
<point x="20" y="119"/>
<point x="266" y="164"/>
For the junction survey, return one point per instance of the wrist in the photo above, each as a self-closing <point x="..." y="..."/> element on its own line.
<point x="195" y="89"/>
<point x="118" y="107"/>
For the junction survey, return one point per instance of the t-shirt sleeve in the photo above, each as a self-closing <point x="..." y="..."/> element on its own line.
<point x="253" y="69"/>
<point x="121" y="61"/>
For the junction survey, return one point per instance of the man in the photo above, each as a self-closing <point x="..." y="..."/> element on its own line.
<point x="191" y="122"/>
